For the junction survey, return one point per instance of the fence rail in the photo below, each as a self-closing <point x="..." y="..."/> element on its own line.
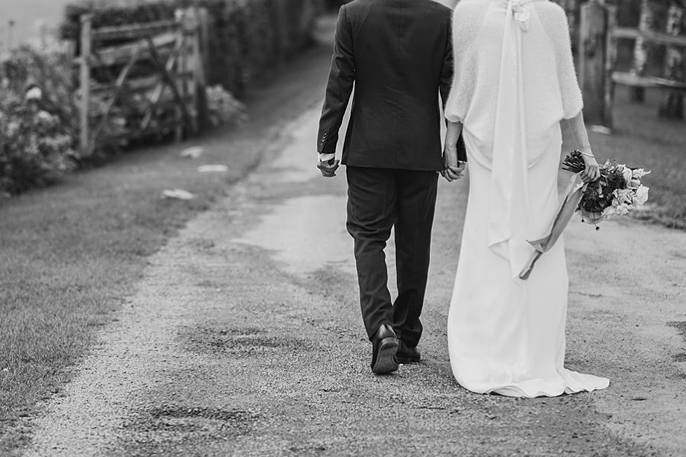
<point x="135" y="31"/>
<point x="660" y="38"/>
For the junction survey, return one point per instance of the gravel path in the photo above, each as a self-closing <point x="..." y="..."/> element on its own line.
<point x="244" y="338"/>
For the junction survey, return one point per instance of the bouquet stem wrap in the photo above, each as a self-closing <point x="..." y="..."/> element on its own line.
<point x="568" y="207"/>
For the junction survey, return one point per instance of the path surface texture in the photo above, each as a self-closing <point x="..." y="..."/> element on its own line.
<point x="244" y="338"/>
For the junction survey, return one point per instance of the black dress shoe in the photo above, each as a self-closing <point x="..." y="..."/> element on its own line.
<point x="384" y="349"/>
<point x="407" y="354"/>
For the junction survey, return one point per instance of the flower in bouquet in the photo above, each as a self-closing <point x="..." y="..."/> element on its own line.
<point x="617" y="192"/>
<point x="640" y="197"/>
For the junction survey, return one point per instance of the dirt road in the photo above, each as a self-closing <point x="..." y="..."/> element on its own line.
<point x="244" y="338"/>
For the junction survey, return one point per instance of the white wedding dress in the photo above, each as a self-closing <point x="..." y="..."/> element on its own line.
<point x="514" y="82"/>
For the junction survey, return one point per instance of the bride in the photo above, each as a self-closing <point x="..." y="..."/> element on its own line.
<point x="515" y="97"/>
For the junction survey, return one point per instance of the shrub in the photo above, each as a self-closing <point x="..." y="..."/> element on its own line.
<point x="38" y="121"/>
<point x="38" y="135"/>
<point x="223" y="108"/>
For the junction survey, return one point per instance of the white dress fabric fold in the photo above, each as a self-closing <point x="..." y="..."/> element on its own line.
<point x="514" y="83"/>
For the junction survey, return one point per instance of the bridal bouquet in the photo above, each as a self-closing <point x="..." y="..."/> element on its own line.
<point x="618" y="191"/>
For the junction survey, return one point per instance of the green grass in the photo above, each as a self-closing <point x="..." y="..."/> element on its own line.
<point x="642" y="139"/>
<point x="70" y="254"/>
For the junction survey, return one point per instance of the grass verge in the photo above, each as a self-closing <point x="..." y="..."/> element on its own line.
<point x="642" y="139"/>
<point x="70" y="254"/>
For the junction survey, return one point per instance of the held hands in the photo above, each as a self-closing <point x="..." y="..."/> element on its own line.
<point x="453" y="169"/>
<point x="328" y="167"/>
<point x="592" y="171"/>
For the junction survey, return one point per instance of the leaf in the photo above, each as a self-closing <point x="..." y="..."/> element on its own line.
<point x="213" y="169"/>
<point x="193" y="152"/>
<point x="178" y="194"/>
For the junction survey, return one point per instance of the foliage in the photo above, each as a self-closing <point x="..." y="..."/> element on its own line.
<point x="113" y="15"/>
<point x="247" y="38"/>
<point x="37" y="119"/>
<point x="223" y="107"/>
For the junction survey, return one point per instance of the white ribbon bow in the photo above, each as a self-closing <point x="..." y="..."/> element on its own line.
<point x="521" y="13"/>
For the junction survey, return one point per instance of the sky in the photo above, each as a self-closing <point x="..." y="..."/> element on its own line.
<point x="28" y="14"/>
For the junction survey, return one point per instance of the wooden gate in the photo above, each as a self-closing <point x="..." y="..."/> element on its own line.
<point x="140" y="80"/>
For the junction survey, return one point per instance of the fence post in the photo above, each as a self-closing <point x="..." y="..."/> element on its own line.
<point x="200" y="52"/>
<point x="204" y="31"/>
<point x="610" y="63"/>
<point x="640" y="48"/>
<point x="181" y="63"/>
<point x="193" y="63"/>
<point x="592" y="60"/>
<point x="85" y="79"/>
<point x="673" y="102"/>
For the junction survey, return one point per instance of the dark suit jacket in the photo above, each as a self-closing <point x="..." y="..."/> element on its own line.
<point x="398" y="56"/>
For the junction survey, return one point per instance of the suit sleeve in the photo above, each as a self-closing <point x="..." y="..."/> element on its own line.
<point x="447" y="76"/>
<point x="447" y="70"/>
<point x="339" y="87"/>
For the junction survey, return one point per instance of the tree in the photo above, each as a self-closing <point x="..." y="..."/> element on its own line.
<point x="673" y="103"/>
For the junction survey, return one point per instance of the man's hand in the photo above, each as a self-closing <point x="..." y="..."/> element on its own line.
<point x="453" y="169"/>
<point x="328" y="167"/>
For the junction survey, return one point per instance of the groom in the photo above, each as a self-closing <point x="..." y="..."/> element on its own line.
<point x="398" y="56"/>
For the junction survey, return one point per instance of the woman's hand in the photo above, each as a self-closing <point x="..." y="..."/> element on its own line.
<point x="575" y="136"/>
<point x="452" y="167"/>
<point x="592" y="171"/>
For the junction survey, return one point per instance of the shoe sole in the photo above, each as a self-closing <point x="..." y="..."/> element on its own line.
<point x="385" y="359"/>
<point x="407" y="360"/>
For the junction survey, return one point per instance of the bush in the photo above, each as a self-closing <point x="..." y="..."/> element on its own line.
<point x="38" y="113"/>
<point x="223" y="108"/>
<point x="38" y="120"/>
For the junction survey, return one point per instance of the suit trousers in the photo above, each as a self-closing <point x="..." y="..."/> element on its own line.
<point x="378" y="200"/>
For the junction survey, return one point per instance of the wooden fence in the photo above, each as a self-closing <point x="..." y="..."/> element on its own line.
<point x="599" y="73"/>
<point x="141" y="80"/>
